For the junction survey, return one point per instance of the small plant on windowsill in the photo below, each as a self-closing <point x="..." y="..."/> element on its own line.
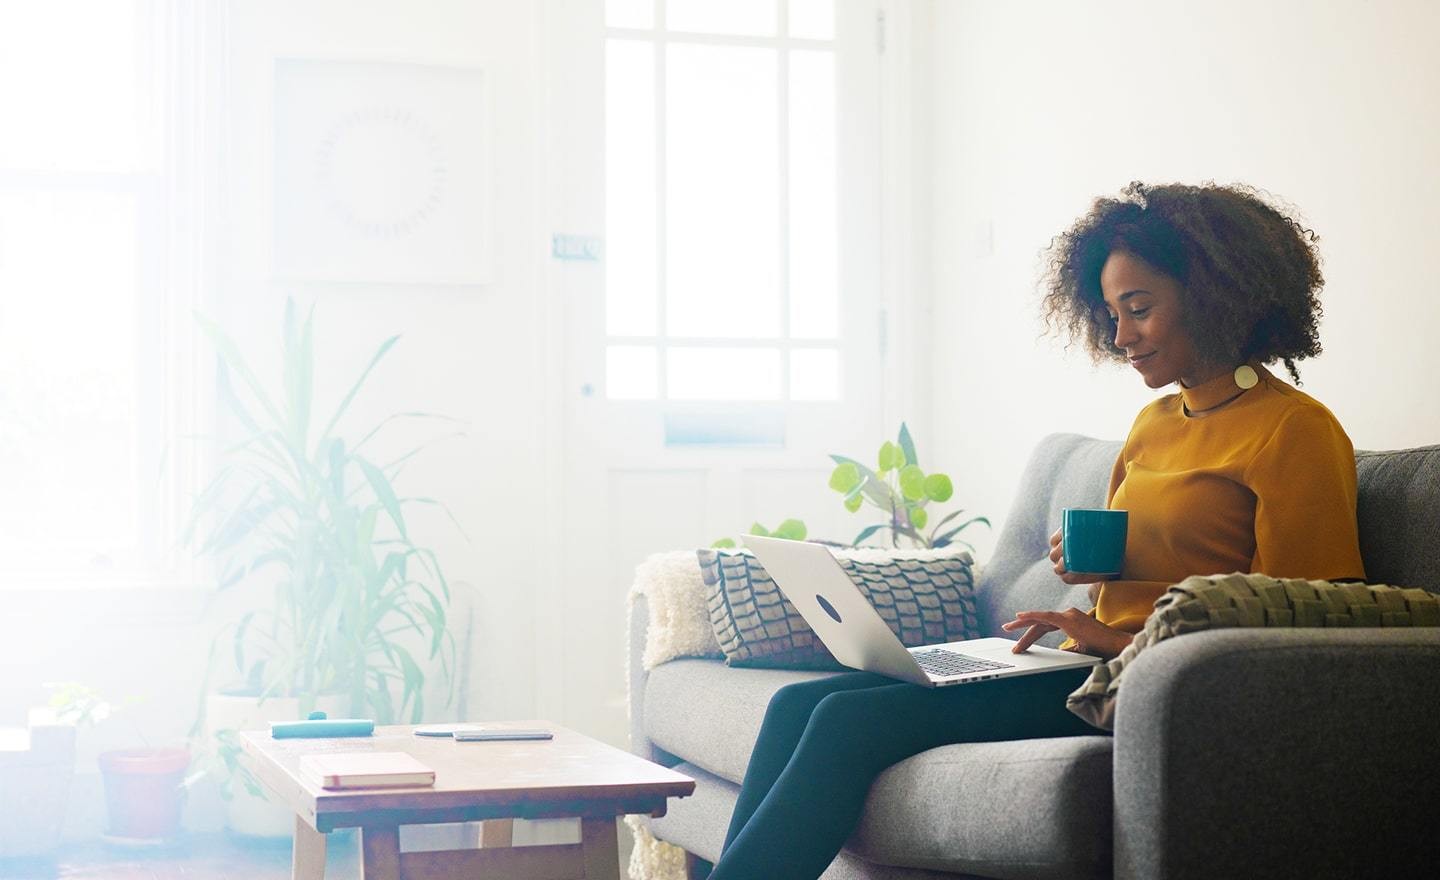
<point x="145" y="785"/>
<point x="903" y="492"/>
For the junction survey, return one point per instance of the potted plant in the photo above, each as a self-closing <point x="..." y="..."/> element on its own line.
<point x="313" y="517"/>
<point x="903" y="491"/>
<point x="144" y="785"/>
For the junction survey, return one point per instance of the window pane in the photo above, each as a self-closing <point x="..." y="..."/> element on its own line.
<point x="723" y="373"/>
<point x="630" y="13"/>
<point x="70" y="85"/>
<point x="68" y="384"/>
<point x="814" y="221"/>
<point x="632" y="372"/>
<point x="754" y="18"/>
<point x="722" y="216"/>
<point x="630" y="265"/>
<point x="814" y="374"/>
<point x="812" y="19"/>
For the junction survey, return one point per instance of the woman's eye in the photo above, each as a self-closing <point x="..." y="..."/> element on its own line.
<point x="1140" y="313"/>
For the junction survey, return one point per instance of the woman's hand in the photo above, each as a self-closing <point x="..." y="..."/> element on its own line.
<point x="1057" y="556"/>
<point x="1091" y="636"/>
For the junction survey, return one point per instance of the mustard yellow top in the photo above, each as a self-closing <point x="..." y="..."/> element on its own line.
<point x="1264" y="483"/>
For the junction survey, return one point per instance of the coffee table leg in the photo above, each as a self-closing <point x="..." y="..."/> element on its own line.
<point x="600" y="849"/>
<point x="307" y="859"/>
<point x="380" y="852"/>
<point x="497" y="832"/>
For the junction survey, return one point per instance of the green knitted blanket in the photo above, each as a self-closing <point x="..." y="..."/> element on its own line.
<point x="1234" y="600"/>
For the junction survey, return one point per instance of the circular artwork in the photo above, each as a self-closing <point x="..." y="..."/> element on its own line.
<point x="381" y="171"/>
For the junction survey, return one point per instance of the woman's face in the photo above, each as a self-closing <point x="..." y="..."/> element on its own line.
<point x="1146" y="307"/>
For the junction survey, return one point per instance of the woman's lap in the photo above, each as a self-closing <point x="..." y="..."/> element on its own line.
<point x="824" y="741"/>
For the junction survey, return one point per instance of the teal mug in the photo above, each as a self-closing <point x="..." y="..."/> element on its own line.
<point x="1094" y="540"/>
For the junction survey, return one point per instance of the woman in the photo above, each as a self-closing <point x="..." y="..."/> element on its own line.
<point x="1198" y="286"/>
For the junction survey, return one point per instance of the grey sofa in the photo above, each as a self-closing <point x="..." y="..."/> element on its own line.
<point x="1276" y="753"/>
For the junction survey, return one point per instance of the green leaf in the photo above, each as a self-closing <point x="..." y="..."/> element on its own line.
<point x="384" y="492"/>
<point x="874" y="488"/>
<point x="908" y="445"/>
<point x="918" y="517"/>
<point x="912" y="482"/>
<point x="949" y="536"/>
<point x="757" y="529"/>
<point x="231" y="356"/>
<point x="891" y="458"/>
<point x="853" y="503"/>
<point x="867" y="532"/>
<point x="724" y="544"/>
<point x="846" y="477"/>
<point x="938" y="487"/>
<point x="791" y="530"/>
<point x="355" y="389"/>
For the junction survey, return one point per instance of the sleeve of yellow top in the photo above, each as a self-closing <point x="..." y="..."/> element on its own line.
<point x="1304" y="484"/>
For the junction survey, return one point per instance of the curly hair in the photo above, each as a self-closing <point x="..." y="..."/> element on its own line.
<point x="1249" y="273"/>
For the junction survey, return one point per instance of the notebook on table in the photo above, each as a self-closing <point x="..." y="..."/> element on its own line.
<point x="366" y="770"/>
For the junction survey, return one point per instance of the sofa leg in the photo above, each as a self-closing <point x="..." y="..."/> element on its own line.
<point x="697" y="868"/>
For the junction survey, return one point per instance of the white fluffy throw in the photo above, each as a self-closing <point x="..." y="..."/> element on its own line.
<point x="679" y="622"/>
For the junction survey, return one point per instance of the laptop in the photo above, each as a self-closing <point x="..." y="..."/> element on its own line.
<point x="810" y="577"/>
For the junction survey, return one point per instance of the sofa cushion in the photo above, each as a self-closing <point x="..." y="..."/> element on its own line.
<point x="1031" y="808"/>
<point x="1399" y="518"/>
<point x="925" y="596"/>
<point x="709" y="714"/>
<point x="1065" y="470"/>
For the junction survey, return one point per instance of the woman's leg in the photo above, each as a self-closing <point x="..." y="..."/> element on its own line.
<point x="854" y="734"/>
<point x="785" y="720"/>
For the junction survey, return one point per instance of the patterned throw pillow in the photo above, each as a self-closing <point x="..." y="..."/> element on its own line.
<point x="925" y="596"/>
<point x="1224" y="601"/>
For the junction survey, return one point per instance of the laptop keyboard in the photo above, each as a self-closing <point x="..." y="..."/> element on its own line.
<point x="943" y="663"/>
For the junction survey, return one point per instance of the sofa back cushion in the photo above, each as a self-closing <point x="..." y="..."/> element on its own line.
<point x="1399" y="517"/>
<point x="1065" y="470"/>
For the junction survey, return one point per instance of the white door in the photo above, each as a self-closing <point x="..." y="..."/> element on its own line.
<point x="719" y="167"/>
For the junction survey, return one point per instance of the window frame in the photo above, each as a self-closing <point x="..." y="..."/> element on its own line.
<point x="179" y="45"/>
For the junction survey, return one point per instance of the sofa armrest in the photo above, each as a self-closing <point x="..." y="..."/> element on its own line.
<point x="1280" y="753"/>
<point x="635" y="668"/>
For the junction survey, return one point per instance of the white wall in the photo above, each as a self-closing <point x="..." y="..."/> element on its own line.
<point x="1040" y="106"/>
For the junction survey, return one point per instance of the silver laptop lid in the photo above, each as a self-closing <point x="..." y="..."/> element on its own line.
<point x="823" y="593"/>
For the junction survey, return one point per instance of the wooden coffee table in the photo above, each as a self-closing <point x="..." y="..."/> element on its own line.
<point x="571" y="776"/>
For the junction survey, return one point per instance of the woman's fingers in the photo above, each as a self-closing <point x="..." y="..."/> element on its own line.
<point x="1031" y="636"/>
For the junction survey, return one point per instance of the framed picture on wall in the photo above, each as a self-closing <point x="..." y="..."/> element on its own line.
<point x="381" y="173"/>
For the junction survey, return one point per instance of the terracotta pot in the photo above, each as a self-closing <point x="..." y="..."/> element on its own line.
<point x="143" y="791"/>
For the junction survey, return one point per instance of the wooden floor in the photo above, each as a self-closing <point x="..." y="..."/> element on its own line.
<point x="194" y="857"/>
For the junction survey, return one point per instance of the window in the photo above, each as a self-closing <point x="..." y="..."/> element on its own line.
<point x="97" y="266"/>
<point x="722" y="220"/>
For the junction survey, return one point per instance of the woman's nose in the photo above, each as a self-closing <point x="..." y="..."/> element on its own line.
<point x="1125" y="335"/>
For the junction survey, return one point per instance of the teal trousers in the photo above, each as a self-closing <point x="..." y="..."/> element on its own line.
<point x="823" y="742"/>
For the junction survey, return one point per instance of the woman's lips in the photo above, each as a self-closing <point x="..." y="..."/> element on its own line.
<point x="1137" y="361"/>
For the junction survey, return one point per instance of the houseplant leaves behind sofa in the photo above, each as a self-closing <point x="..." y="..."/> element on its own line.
<point x="901" y="489"/>
<point x="790" y="530"/>
<point x="317" y="513"/>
